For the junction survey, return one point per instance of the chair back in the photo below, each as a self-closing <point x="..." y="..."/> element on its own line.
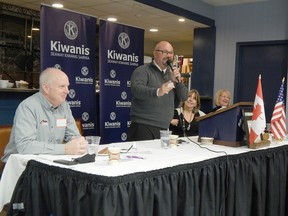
<point x="79" y="126"/>
<point x="5" y="131"/>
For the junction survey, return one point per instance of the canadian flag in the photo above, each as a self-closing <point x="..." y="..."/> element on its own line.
<point x="258" y="123"/>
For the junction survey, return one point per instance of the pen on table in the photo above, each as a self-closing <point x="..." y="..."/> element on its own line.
<point x="133" y="156"/>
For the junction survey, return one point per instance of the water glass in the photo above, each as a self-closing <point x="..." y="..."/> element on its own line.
<point x="93" y="144"/>
<point x="165" y="138"/>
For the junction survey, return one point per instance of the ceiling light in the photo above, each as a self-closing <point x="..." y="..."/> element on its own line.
<point x="181" y="20"/>
<point x="112" y="19"/>
<point x="153" y="30"/>
<point x="35" y="29"/>
<point x="57" y="5"/>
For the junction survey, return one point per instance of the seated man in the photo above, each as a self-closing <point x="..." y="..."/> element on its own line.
<point x="43" y="123"/>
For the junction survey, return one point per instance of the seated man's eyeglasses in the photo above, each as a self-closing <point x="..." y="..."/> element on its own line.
<point x="165" y="52"/>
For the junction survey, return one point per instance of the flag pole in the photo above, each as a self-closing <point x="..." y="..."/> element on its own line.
<point x="283" y="80"/>
<point x="286" y="95"/>
<point x="286" y="109"/>
<point x="278" y="121"/>
<point x="258" y="121"/>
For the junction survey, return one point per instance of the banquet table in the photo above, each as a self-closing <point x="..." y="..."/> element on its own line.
<point x="189" y="179"/>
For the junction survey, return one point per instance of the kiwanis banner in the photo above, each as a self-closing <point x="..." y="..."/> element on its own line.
<point x="68" y="42"/>
<point x="121" y="51"/>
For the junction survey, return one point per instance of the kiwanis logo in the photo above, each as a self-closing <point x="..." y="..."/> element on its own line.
<point x="87" y="125"/>
<point x="128" y="123"/>
<point x="72" y="93"/>
<point x="85" y="116"/>
<point x="112" y="82"/>
<point x="84" y="80"/>
<point x="84" y="71"/>
<point x="71" y="30"/>
<point x="73" y="103"/>
<point x="113" y="74"/>
<point x="123" y="40"/>
<point x="112" y="123"/>
<point x="112" y="116"/>
<point x="119" y="57"/>
<point x="57" y="66"/>
<point x="124" y="95"/>
<point x="123" y="103"/>
<point x="123" y="136"/>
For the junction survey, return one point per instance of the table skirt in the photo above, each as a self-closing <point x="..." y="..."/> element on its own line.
<point x="253" y="183"/>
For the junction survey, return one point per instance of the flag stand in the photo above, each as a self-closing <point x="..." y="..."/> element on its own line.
<point x="247" y="117"/>
<point x="263" y="143"/>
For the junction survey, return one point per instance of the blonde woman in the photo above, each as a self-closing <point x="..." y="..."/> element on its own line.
<point x="184" y="121"/>
<point x="222" y="99"/>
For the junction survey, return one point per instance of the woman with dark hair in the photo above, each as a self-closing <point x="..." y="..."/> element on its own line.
<point x="184" y="121"/>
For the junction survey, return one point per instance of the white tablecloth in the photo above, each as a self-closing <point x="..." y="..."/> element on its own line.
<point x="154" y="156"/>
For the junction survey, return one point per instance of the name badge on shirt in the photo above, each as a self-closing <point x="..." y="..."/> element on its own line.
<point x="61" y="122"/>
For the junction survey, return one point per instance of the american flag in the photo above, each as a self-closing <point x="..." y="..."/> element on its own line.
<point x="278" y="120"/>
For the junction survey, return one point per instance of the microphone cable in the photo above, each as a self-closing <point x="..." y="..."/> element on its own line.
<point x="182" y="122"/>
<point x="214" y="151"/>
<point x="226" y="173"/>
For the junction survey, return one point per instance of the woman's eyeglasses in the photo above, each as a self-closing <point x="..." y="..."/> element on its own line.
<point x="225" y="97"/>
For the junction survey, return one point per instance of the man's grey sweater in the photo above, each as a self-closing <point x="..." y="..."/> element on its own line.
<point x="147" y="108"/>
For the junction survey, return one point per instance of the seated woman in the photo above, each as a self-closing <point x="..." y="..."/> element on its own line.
<point x="222" y="99"/>
<point x="184" y="122"/>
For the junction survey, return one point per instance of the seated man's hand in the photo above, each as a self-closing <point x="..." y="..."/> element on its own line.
<point x="76" y="146"/>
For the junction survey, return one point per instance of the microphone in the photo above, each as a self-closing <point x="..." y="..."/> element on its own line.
<point x="169" y="63"/>
<point x="186" y="75"/>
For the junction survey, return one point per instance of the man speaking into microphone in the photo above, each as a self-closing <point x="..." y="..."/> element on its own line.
<point x="156" y="90"/>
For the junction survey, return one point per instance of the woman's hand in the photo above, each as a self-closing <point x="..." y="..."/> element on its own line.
<point x="175" y="122"/>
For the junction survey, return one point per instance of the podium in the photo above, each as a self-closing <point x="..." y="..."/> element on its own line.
<point x="226" y="125"/>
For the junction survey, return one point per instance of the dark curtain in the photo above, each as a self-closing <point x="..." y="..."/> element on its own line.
<point x="251" y="183"/>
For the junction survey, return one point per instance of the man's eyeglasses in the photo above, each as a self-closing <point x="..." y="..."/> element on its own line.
<point x="165" y="52"/>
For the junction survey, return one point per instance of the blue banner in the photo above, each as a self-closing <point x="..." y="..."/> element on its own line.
<point x="121" y="50"/>
<point x="68" y="42"/>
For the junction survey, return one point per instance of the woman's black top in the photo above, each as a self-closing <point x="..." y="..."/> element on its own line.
<point x="216" y="108"/>
<point x="185" y="128"/>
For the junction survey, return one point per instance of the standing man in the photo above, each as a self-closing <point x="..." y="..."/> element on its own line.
<point x="43" y="123"/>
<point x="155" y="91"/>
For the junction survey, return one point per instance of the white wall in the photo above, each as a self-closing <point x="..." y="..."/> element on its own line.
<point x="261" y="21"/>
